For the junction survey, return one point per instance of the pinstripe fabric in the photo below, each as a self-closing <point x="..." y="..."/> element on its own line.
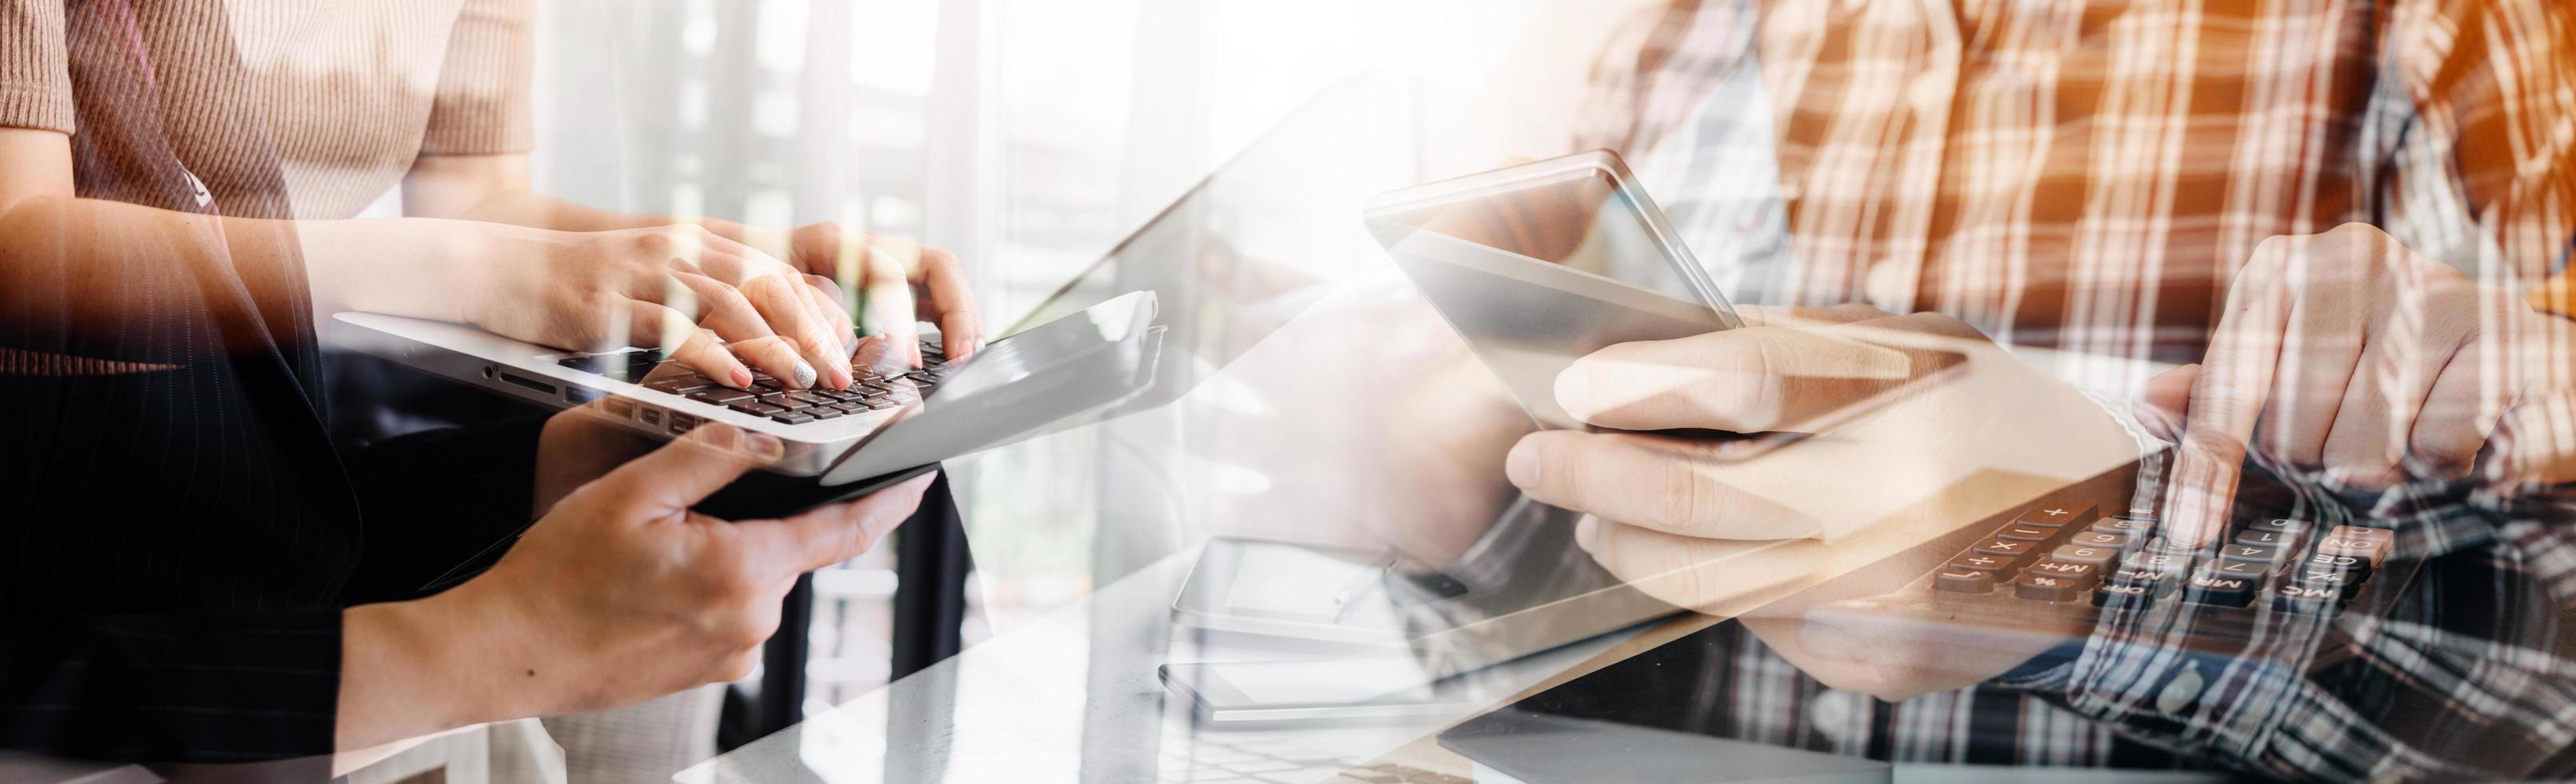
<point x="2088" y="176"/>
<point x="182" y="534"/>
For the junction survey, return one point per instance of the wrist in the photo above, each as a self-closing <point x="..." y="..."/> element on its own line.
<point x="428" y="665"/>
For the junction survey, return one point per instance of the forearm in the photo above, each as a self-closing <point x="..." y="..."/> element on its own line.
<point x="429" y="665"/>
<point x="523" y="208"/>
<point x="87" y="264"/>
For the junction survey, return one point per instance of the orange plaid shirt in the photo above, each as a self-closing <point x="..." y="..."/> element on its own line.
<point x="2089" y="175"/>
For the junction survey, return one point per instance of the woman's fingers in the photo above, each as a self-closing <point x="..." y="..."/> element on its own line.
<point x="712" y="358"/>
<point x="783" y="302"/>
<point x="651" y="325"/>
<point x="886" y="302"/>
<point x="779" y="358"/>
<point x="723" y="308"/>
<point x="950" y="303"/>
<point x="1664" y="483"/>
<point x="827" y="297"/>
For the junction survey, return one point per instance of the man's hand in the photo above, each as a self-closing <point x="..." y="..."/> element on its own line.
<point x="1684" y="520"/>
<point x="618" y="594"/>
<point x="2349" y="358"/>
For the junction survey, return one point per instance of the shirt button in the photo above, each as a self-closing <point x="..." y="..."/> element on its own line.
<point x="1831" y="712"/>
<point x="2180" y="692"/>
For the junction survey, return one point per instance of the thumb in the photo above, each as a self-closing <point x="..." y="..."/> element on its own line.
<point x="838" y="532"/>
<point x="1745" y="380"/>
<point x="688" y="469"/>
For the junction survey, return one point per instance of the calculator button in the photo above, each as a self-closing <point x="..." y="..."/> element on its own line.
<point x="1964" y="581"/>
<point x="2123" y="595"/>
<point x="2340" y="563"/>
<point x="2224" y="591"/>
<point x="2004" y="547"/>
<point x="2157" y="581"/>
<point x="1993" y="564"/>
<point x="2251" y="570"/>
<point x="2349" y="540"/>
<point x="2100" y="539"/>
<point x="2293" y="527"/>
<point x="2256" y="553"/>
<point x="2302" y="598"/>
<point x="2170" y="565"/>
<point x="2076" y="553"/>
<point x="2275" y="538"/>
<point x="2117" y="525"/>
<point x="2051" y="515"/>
<point x="2081" y="573"/>
<point x="2344" y="579"/>
<point x="2026" y="533"/>
<point x="2047" y="589"/>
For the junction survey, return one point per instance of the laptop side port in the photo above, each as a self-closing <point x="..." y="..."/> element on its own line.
<point x="683" y="423"/>
<point x="619" y="407"/>
<point x="649" y="415"/>
<point x="529" y="383"/>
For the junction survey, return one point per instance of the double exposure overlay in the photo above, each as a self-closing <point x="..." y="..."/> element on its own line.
<point x="1231" y="390"/>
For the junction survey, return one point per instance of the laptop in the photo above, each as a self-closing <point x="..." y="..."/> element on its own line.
<point x="889" y="421"/>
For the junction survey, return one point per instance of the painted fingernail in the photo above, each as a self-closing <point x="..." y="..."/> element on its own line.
<point x="764" y="445"/>
<point x="1521" y="466"/>
<point x="804" y="374"/>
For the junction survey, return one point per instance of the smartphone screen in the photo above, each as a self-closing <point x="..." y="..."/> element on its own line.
<point x="1539" y="265"/>
<point x="1577" y="218"/>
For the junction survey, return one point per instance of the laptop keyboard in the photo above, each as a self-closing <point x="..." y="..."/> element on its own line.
<point x="767" y="398"/>
<point x="2064" y="563"/>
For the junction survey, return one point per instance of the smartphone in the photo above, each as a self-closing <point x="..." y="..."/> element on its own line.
<point x="1308" y="692"/>
<point x="1541" y="264"/>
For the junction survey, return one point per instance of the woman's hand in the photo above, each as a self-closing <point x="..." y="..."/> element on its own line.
<point x="619" y="594"/>
<point x="720" y="306"/>
<point x="900" y="281"/>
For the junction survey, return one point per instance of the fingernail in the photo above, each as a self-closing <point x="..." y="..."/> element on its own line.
<point x="741" y="378"/>
<point x="1521" y="466"/>
<point x="1585" y="530"/>
<point x="764" y="445"/>
<point x="804" y="374"/>
<point x="1573" y="389"/>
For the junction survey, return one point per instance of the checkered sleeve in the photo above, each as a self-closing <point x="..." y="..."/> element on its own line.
<point x="2461" y="680"/>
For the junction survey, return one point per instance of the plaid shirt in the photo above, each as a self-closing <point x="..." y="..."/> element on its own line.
<point x="2088" y="176"/>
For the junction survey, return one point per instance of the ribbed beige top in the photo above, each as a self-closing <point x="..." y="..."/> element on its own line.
<point x="339" y="95"/>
